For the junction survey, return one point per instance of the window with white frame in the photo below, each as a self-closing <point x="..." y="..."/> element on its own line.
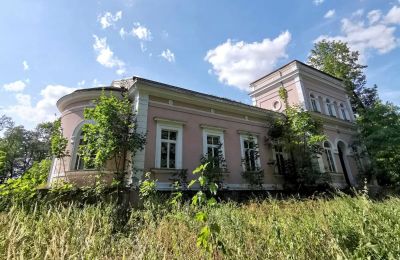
<point x="314" y="103"/>
<point x="169" y="146"/>
<point x="329" y="157"/>
<point x="343" y="113"/>
<point x="213" y="143"/>
<point x="250" y="153"/>
<point x="330" y="108"/>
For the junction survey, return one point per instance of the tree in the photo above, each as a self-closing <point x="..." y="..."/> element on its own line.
<point x="300" y="136"/>
<point x="379" y="129"/>
<point x="21" y="147"/>
<point x="112" y="135"/>
<point x="336" y="59"/>
<point x="58" y="143"/>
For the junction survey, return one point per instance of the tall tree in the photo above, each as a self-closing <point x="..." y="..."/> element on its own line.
<point x="21" y="147"/>
<point x="379" y="129"/>
<point x="336" y="59"/>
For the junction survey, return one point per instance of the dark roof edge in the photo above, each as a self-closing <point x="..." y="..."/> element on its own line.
<point x="302" y="63"/>
<point x="98" y="88"/>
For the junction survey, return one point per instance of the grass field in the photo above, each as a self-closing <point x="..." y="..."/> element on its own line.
<point x="339" y="228"/>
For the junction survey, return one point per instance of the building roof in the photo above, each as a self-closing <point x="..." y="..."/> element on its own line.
<point x="302" y="63"/>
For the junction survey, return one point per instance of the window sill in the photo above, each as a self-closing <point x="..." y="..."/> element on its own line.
<point x="165" y="170"/>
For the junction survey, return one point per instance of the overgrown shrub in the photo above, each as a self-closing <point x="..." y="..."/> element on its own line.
<point x="25" y="188"/>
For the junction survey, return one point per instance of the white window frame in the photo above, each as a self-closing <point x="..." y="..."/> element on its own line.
<point x="330" y="106"/>
<point x="213" y="132"/>
<point x="248" y="137"/>
<point x="178" y="153"/>
<point x="315" y="98"/>
<point x="343" y="109"/>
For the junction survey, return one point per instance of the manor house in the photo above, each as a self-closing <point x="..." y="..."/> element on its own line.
<point x="184" y="125"/>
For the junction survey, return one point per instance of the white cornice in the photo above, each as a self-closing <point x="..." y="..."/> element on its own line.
<point x="78" y="96"/>
<point x="204" y="100"/>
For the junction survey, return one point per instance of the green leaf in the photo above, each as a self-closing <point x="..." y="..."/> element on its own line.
<point x="213" y="187"/>
<point x="201" y="216"/>
<point x="191" y="183"/>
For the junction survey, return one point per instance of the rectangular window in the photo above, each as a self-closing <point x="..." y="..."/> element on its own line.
<point x="250" y="153"/>
<point x="344" y="114"/>
<point x="169" y="146"/>
<point x="314" y="105"/>
<point x="213" y="145"/>
<point x="279" y="159"/>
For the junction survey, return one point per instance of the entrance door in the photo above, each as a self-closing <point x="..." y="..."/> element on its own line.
<point x="343" y="164"/>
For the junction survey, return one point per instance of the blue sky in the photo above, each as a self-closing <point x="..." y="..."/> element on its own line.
<point x="50" y="48"/>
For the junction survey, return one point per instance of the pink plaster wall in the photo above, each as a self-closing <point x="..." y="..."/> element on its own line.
<point x="193" y="141"/>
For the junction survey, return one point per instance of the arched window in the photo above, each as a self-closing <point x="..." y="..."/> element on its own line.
<point x="314" y="103"/>
<point x="77" y="162"/>
<point x="343" y="113"/>
<point x="329" y="157"/>
<point x="330" y="108"/>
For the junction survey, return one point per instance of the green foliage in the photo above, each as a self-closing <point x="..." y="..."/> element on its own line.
<point x="301" y="136"/>
<point x="58" y="141"/>
<point x="340" y="228"/>
<point x="2" y="160"/>
<point x="25" y="188"/>
<point x="379" y="129"/>
<point x="208" y="237"/>
<point x="215" y="167"/>
<point x="336" y="59"/>
<point x="22" y="147"/>
<point x="112" y="135"/>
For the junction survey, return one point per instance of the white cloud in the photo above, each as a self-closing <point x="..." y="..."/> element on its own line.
<point x="44" y="110"/>
<point x="81" y="83"/>
<point x="239" y="63"/>
<point x="108" y="19"/>
<point x="25" y="65"/>
<point x="141" y="32"/>
<point x="168" y="55"/>
<point x="374" y="16"/>
<point x="358" y="13"/>
<point x="376" y="35"/>
<point x="393" y="16"/>
<point x="122" y="32"/>
<point x="318" y="2"/>
<point x="106" y="57"/>
<point x="330" y="13"/>
<point x="16" y="86"/>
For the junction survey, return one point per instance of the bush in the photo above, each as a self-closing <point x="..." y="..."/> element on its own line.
<point x="25" y="188"/>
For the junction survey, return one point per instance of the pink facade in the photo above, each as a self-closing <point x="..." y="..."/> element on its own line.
<point x="183" y="119"/>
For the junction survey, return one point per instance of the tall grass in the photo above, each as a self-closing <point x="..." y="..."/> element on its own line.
<point x="338" y="228"/>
